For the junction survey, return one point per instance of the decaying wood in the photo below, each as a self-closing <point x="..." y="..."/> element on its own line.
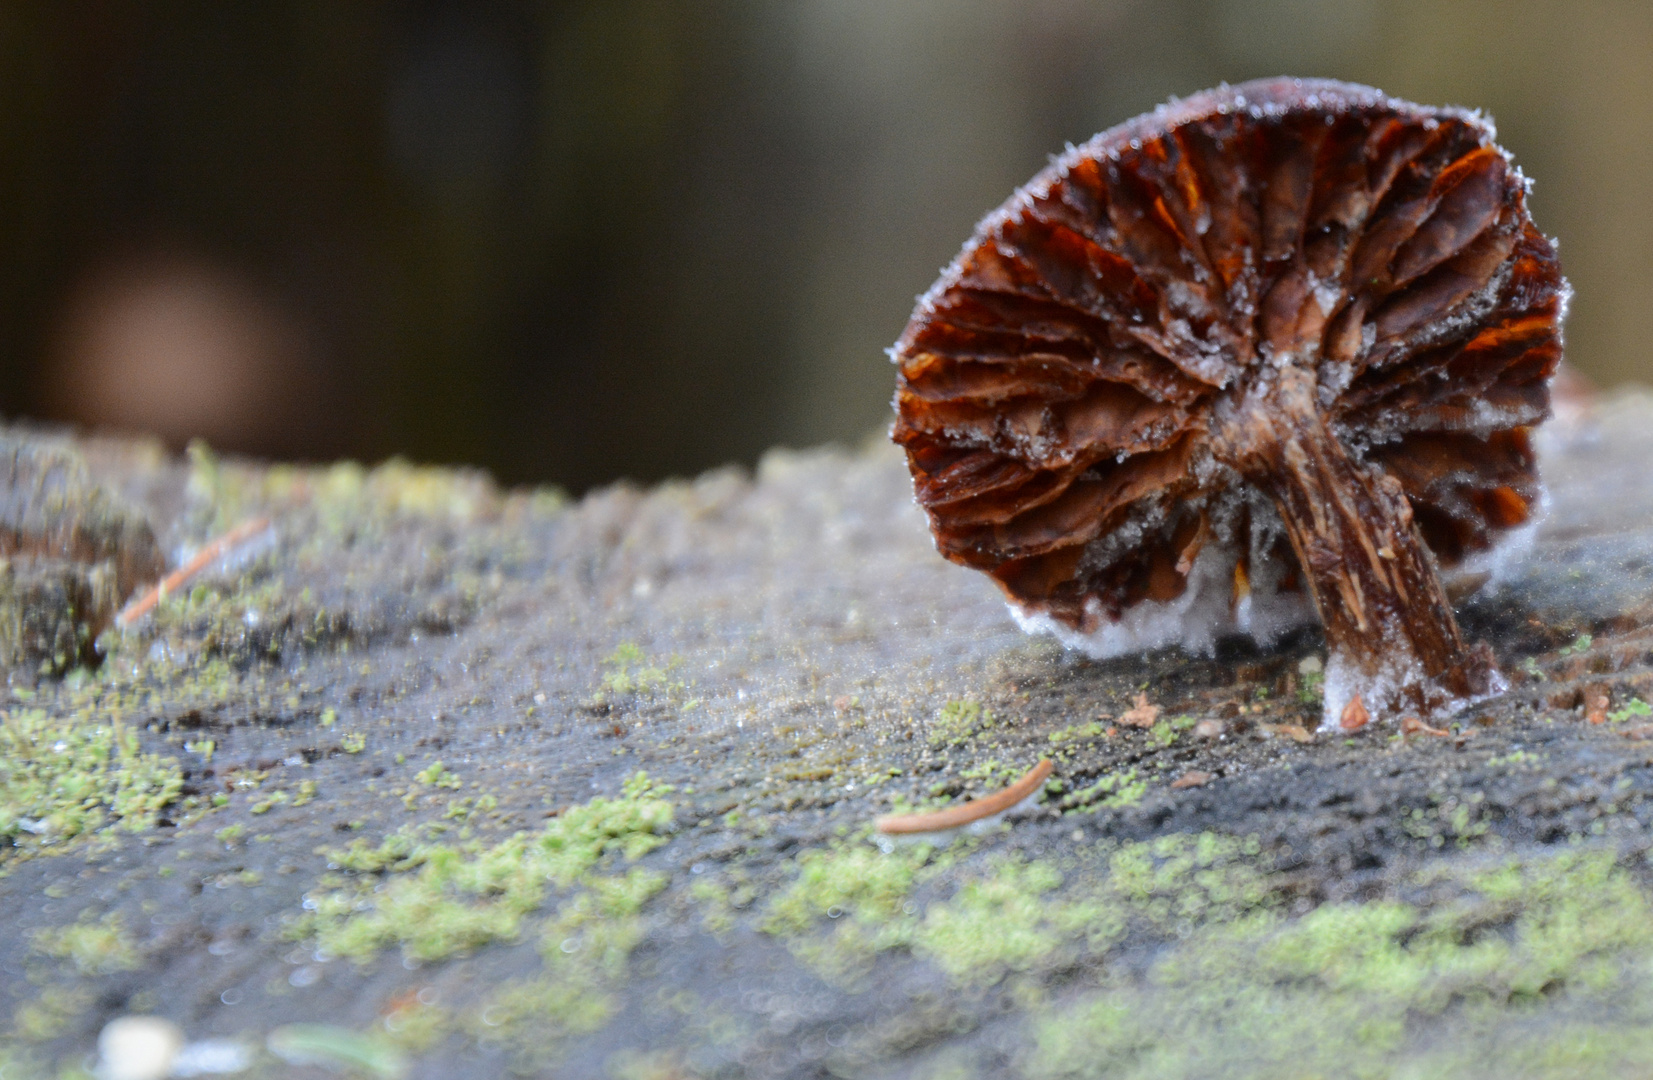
<point x="786" y="652"/>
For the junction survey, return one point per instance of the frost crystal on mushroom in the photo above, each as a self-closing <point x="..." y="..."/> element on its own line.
<point x="1272" y="352"/>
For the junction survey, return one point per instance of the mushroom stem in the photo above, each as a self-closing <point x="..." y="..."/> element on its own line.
<point x="1390" y="631"/>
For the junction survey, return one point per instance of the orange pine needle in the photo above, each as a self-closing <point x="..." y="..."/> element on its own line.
<point x="1413" y="726"/>
<point x="209" y="553"/>
<point x="974" y="810"/>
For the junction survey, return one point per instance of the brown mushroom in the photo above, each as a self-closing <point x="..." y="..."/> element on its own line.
<point x="1269" y="352"/>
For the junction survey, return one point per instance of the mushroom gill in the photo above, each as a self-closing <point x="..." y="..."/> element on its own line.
<point x="1269" y="352"/>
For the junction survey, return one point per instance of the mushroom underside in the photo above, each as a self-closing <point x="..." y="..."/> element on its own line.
<point x="1269" y="354"/>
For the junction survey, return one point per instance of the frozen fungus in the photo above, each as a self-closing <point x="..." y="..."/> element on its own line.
<point x="1272" y="352"/>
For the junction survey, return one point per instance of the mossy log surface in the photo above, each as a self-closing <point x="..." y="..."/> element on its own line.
<point x="492" y="783"/>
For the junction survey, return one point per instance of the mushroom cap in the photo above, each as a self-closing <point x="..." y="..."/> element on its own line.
<point x="1058" y="384"/>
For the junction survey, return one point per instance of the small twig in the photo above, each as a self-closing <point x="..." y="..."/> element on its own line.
<point x="974" y="810"/>
<point x="209" y="553"/>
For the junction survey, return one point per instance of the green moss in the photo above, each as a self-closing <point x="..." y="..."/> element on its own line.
<point x="438" y="775"/>
<point x="1111" y="791"/>
<point x="1535" y="969"/>
<point x="16" y="1063"/>
<point x="99" y="947"/>
<point x="415" y="1027"/>
<point x="1076" y="732"/>
<point x="1180" y="879"/>
<point x="533" y="1016"/>
<point x="62" y="777"/>
<point x="1009" y="921"/>
<point x="335" y="516"/>
<point x="1004" y="919"/>
<point x="594" y="933"/>
<point x="434" y="900"/>
<point x="1010" y="915"/>
<point x="628" y="670"/>
<point x="585" y="949"/>
<point x="640" y="1065"/>
<point x="959" y="721"/>
<point x="346" y="495"/>
<point x="995" y="772"/>
<point x="269" y="802"/>
<point x="855" y="879"/>
<point x="53" y="1012"/>
<point x="1311" y="687"/>
<point x="1633" y="709"/>
<point x="715" y="899"/>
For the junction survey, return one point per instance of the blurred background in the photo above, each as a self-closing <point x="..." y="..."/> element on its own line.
<point x="579" y="240"/>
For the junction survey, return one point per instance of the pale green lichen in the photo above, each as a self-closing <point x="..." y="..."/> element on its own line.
<point x="628" y="670"/>
<point x="1111" y="791"/>
<point x="1580" y="644"/>
<point x="1010" y="920"/>
<point x="1161" y="735"/>
<point x="1077" y="732"/>
<point x="1012" y="915"/>
<point x="959" y="721"/>
<point x="1181" y="878"/>
<point x="53" y="1012"/>
<point x="1462" y="985"/>
<point x="434" y="900"/>
<point x="855" y="879"/>
<point x="1634" y="709"/>
<point x="62" y="777"/>
<point x="1311" y="686"/>
<point x="585" y="949"/>
<point x="1533" y="969"/>
<point x="1460" y="820"/>
<point x="93" y="947"/>
<point x="346" y="495"/>
<point x="994" y="772"/>
<point x="438" y="775"/>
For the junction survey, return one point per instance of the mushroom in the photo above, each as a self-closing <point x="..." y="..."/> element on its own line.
<point x="1271" y="352"/>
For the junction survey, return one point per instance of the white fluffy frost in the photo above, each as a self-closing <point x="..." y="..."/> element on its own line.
<point x="1195" y="620"/>
<point x="1207" y="611"/>
<point x="1382" y="692"/>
